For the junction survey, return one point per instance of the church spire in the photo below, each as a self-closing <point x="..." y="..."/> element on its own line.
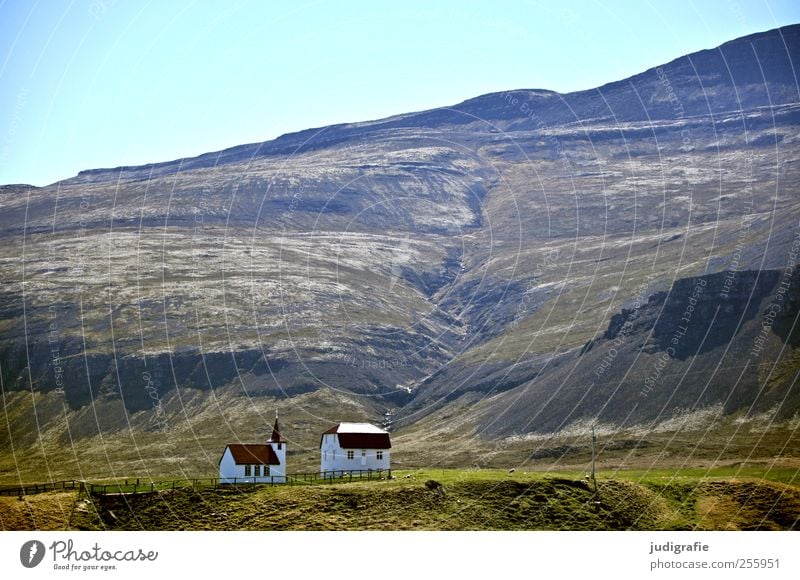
<point x="276" y="431"/>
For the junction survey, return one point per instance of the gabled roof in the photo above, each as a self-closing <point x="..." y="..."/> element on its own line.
<point x="252" y="454"/>
<point x="360" y="436"/>
<point x="354" y="428"/>
<point x="364" y="441"/>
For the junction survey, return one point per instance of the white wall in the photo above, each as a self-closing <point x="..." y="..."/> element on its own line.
<point x="227" y="467"/>
<point x="334" y="458"/>
<point x="280" y="451"/>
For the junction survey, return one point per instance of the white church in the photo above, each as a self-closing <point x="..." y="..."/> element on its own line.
<point x="255" y="462"/>
<point x="352" y="447"/>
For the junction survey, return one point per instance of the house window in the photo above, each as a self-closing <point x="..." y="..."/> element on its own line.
<point x="257" y="470"/>
<point x="363" y="453"/>
<point x="379" y="455"/>
<point x="247" y="471"/>
<point x="266" y="470"/>
<point x="351" y="454"/>
<point x="279" y="446"/>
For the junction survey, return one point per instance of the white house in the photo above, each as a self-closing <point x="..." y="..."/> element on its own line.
<point x="349" y="447"/>
<point x="255" y="462"/>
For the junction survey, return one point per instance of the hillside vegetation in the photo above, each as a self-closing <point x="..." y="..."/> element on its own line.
<point x="488" y="280"/>
<point x="440" y="500"/>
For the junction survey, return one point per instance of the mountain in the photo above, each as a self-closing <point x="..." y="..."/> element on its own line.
<point x="486" y="279"/>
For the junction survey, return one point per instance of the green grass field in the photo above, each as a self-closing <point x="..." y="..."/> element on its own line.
<point x="785" y="475"/>
<point x="720" y="499"/>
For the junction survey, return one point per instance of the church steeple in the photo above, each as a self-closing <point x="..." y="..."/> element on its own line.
<point x="276" y="431"/>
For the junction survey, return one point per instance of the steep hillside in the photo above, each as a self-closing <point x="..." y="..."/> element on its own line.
<point x="521" y="261"/>
<point x="714" y="340"/>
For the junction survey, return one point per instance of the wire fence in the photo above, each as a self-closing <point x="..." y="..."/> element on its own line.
<point x="138" y="486"/>
<point x="32" y="488"/>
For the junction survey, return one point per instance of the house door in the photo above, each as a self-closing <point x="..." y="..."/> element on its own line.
<point x="363" y="457"/>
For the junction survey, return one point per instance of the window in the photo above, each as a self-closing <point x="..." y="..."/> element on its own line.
<point x="363" y="453"/>
<point x="379" y="455"/>
<point x="351" y="454"/>
<point x="257" y="470"/>
<point x="247" y="471"/>
<point x="266" y="470"/>
<point x="279" y="446"/>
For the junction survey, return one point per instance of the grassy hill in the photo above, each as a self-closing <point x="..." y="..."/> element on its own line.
<point x="444" y="500"/>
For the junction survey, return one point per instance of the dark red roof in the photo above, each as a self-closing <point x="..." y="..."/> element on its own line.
<point x="370" y="438"/>
<point x="364" y="440"/>
<point x="253" y="454"/>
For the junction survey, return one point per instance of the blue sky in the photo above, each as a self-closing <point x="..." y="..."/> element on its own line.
<point x="101" y="83"/>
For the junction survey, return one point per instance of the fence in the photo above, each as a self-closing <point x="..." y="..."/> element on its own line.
<point x="340" y="476"/>
<point x="137" y="486"/>
<point x="32" y="488"/>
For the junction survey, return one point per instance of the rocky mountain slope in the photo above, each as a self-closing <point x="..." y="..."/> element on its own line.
<point x="520" y="263"/>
